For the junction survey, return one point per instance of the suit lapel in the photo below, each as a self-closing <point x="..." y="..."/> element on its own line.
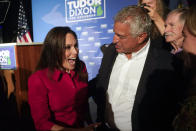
<point x="111" y="62"/>
<point x="107" y="64"/>
<point x="150" y="63"/>
<point x="148" y="69"/>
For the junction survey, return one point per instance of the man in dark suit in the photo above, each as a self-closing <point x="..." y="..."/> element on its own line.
<point x="137" y="87"/>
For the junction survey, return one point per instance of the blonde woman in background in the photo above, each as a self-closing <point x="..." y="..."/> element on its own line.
<point x="157" y="11"/>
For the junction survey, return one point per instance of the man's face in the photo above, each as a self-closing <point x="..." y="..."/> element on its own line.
<point x="125" y="42"/>
<point x="173" y="28"/>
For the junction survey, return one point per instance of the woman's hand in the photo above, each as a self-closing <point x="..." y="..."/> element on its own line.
<point x="90" y="127"/>
<point x="158" y="20"/>
<point x="177" y="45"/>
<point x="152" y="13"/>
<point x="57" y="128"/>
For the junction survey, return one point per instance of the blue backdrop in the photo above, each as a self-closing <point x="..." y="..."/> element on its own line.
<point x="92" y="20"/>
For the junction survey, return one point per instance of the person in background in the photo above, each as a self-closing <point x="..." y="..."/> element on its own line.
<point x="157" y="11"/>
<point x="57" y="91"/>
<point x="174" y="24"/>
<point x="186" y="118"/>
<point x="138" y="85"/>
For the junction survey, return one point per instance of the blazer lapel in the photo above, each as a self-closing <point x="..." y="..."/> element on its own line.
<point x="150" y="63"/>
<point x="110" y="62"/>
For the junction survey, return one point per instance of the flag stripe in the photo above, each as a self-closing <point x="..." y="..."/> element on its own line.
<point x="28" y="35"/>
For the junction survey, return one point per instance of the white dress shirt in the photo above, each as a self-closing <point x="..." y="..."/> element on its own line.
<point x="123" y="85"/>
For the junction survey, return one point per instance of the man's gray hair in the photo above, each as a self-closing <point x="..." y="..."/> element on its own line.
<point x="137" y="18"/>
<point x="182" y="13"/>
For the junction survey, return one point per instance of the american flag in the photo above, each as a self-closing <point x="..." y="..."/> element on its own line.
<point x="23" y="34"/>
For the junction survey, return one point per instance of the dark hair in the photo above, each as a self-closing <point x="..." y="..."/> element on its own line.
<point x="53" y="52"/>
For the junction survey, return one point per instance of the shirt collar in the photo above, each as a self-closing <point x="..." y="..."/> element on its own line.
<point x="142" y="52"/>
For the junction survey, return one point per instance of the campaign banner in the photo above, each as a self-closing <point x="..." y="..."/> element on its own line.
<point x="82" y="10"/>
<point x="7" y="57"/>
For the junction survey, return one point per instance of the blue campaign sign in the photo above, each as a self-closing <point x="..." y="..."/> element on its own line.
<point x="92" y="20"/>
<point x="82" y="10"/>
<point x="7" y="57"/>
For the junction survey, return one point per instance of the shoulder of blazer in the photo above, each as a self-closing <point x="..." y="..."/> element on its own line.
<point x="163" y="58"/>
<point x="109" y="49"/>
<point x="107" y="63"/>
<point x="109" y="54"/>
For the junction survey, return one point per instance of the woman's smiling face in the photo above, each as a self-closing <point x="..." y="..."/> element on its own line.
<point x="71" y="52"/>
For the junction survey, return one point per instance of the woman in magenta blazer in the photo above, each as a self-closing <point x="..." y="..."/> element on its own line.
<point x="57" y="91"/>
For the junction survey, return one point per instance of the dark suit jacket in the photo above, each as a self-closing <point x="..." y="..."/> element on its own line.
<point x="158" y="90"/>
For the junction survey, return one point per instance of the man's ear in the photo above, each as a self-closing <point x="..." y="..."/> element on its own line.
<point x="142" y="37"/>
